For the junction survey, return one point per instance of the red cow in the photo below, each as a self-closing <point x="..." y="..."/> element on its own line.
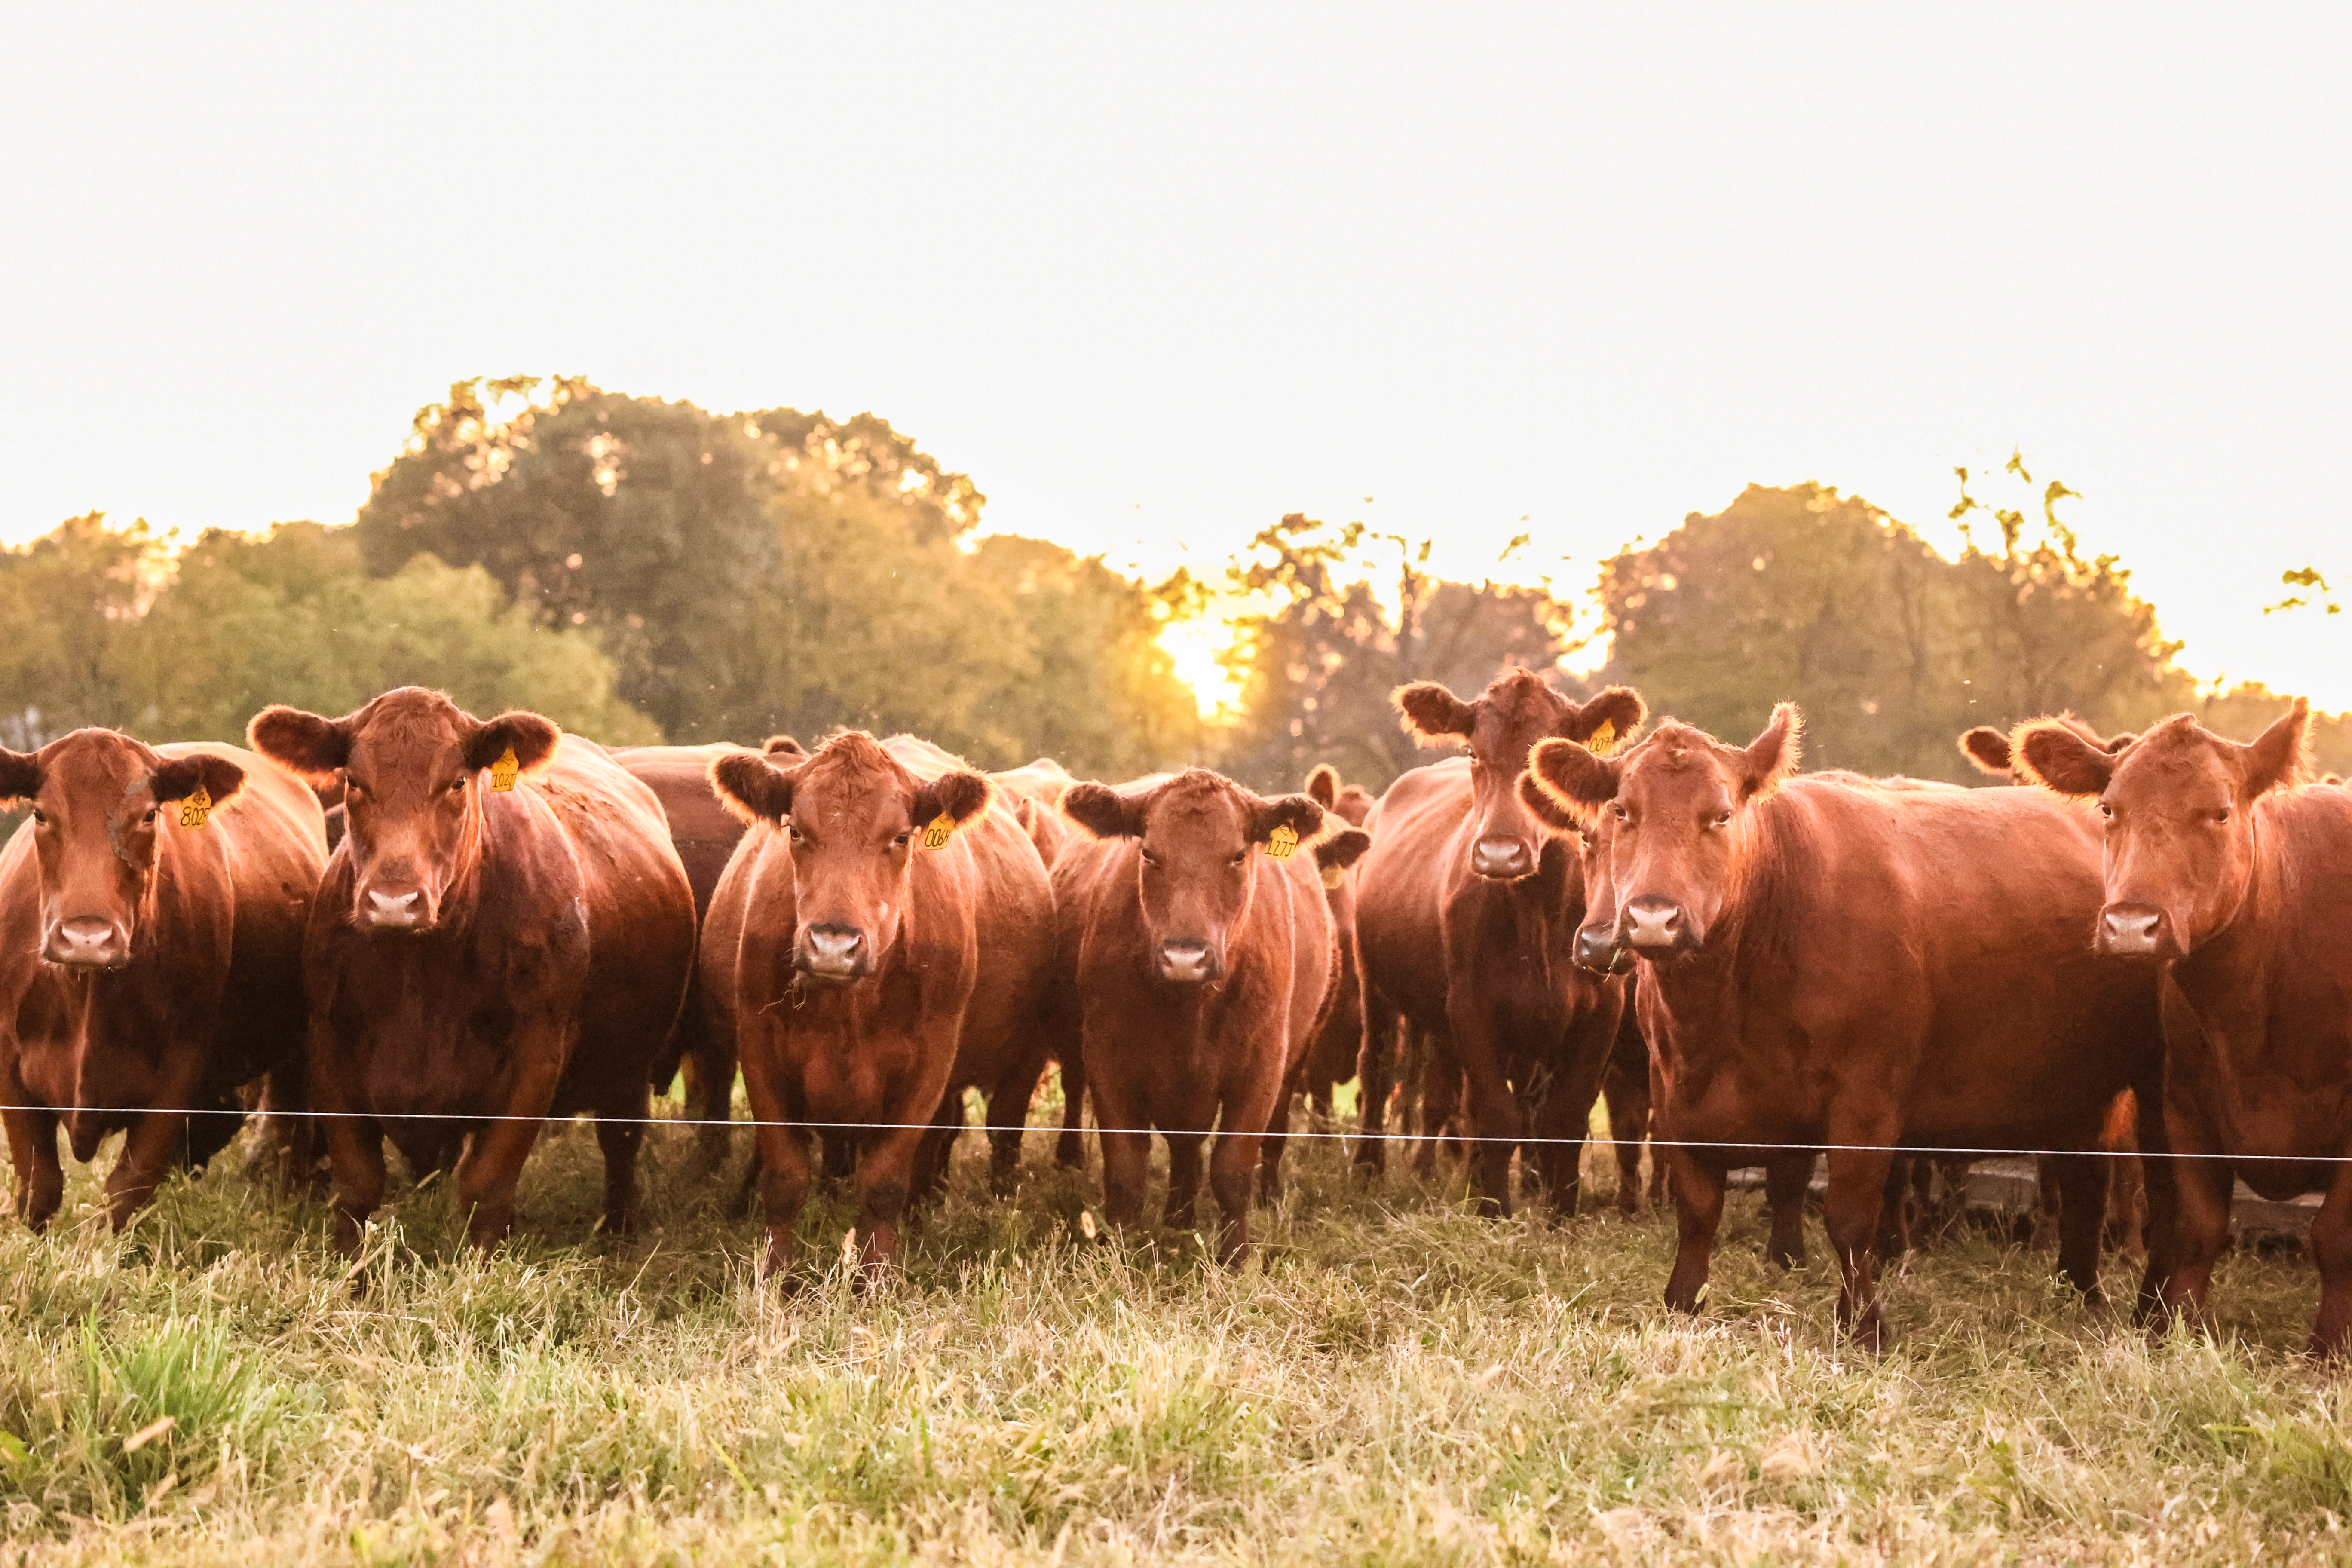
<point x="1466" y="917"/>
<point x="1036" y="791"/>
<point x="1203" y="955"/>
<point x="1351" y="803"/>
<point x="878" y="944"/>
<point x="151" y="955"/>
<point x="503" y="936"/>
<point x="704" y="833"/>
<point x="2225" y="871"/>
<point x="1843" y="964"/>
<point x="1330" y="1059"/>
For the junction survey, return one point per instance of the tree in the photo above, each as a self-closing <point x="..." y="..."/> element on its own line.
<point x="1318" y="662"/>
<point x="71" y="601"/>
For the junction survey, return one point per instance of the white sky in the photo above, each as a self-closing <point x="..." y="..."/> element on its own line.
<point x="1154" y="283"/>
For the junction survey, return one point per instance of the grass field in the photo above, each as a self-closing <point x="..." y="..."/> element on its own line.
<point x="1392" y="1380"/>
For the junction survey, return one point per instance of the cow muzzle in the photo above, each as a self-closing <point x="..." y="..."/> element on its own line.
<point x="392" y="906"/>
<point x="2133" y="930"/>
<point x="1188" y="961"/>
<point x="1656" y="926"/>
<point x="834" y="953"/>
<point x="1598" y="949"/>
<point x="87" y="942"/>
<point x="1502" y="859"/>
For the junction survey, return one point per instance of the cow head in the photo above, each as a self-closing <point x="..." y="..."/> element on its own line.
<point x="1505" y="721"/>
<point x="2177" y="801"/>
<point x="1199" y="833"/>
<point x="98" y="801"/>
<point x="851" y="814"/>
<point x="1350" y="802"/>
<point x="412" y="763"/>
<point x="1674" y="806"/>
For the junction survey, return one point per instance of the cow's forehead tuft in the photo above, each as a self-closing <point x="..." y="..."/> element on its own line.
<point x="98" y="760"/>
<point x="409" y="720"/>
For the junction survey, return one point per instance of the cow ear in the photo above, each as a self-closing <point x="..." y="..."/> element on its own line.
<point x="1577" y="782"/>
<point x="2050" y="753"/>
<point x="178" y="778"/>
<point x="1432" y="715"/>
<point x="1609" y="720"/>
<point x="20" y="776"/>
<point x="1774" y="754"/>
<point x="531" y="738"/>
<point x="752" y="787"/>
<point x="1103" y="811"/>
<point x="303" y="743"/>
<point x="1342" y="849"/>
<point x="959" y="796"/>
<point x="1323" y="785"/>
<point x="1296" y="812"/>
<point x="782" y="746"/>
<point x="1989" y="748"/>
<point x="2116" y="744"/>
<point x="1543" y="808"/>
<point x="2279" y="758"/>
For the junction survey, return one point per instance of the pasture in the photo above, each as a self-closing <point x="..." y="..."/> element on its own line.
<point x="1388" y="1380"/>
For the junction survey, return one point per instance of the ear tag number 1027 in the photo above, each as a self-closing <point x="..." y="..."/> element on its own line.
<point x="197" y="809"/>
<point x="1283" y="842"/>
<point x="503" y="772"/>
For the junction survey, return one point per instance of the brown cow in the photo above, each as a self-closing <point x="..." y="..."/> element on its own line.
<point x="2226" y="872"/>
<point x="878" y="943"/>
<point x="151" y="955"/>
<point x="1839" y="965"/>
<point x="1330" y="1059"/>
<point x="1203" y="954"/>
<point x="502" y="937"/>
<point x="1036" y="789"/>
<point x="1467" y="910"/>
<point x="1351" y="803"/>
<point x="704" y="833"/>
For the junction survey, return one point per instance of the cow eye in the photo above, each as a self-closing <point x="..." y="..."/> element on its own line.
<point x="2222" y="815"/>
<point x="901" y="842"/>
<point x="1617" y="809"/>
<point x="41" y="816"/>
<point x="151" y="814"/>
<point x="456" y="785"/>
<point x="1149" y="859"/>
<point x="1239" y="858"/>
<point x="2107" y="811"/>
<point x="795" y="834"/>
<point x="1723" y="819"/>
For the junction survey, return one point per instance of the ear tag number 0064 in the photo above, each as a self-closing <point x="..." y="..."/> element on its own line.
<point x="1283" y="842"/>
<point x="938" y="831"/>
<point x="197" y="809"/>
<point x="503" y="772"/>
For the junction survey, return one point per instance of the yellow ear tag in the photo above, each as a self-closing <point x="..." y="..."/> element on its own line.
<point x="1282" y="842"/>
<point x="938" y="831"/>
<point x="503" y="771"/>
<point x="1334" y="876"/>
<point x="1600" y="740"/>
<point x="195" y="810"/>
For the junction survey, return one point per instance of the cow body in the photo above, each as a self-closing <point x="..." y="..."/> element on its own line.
<point x="867" y="980"/>
<point x="479" y="959"/>
<point x="704" y="833"/>
<point x="1835" y="963"/>
<point x="1467" y="911"/>
<point x="2225" y="872"/>
<point x="1202" y="964"/>
<point x="191" y="983"/>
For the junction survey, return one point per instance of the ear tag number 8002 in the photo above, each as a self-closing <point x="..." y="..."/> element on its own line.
<point x="197" y="809"/>
<point x="503" y="771"/>
<point x="1282" y="842"/>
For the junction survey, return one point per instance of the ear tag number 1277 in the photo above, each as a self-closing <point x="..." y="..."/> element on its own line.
<point x="197" y="809"/>
<point x="1283" y="842"/>
<point x="503" y="771"/>
<point x="938" y="831"/>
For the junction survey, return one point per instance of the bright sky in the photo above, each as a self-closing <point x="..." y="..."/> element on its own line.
<point x="1154" y="279"/>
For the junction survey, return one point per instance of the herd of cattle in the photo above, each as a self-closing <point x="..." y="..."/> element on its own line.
<point x="428" y="928"/>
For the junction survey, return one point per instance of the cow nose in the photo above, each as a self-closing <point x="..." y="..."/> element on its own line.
<point x="1505" y="859"/>
<point x="1596" y="947"/>
<point x="1652" y="924"/>
<point x="2129" y="929"/>
<point x="395" y="911"/>
<point x="86" y="942"/>
<point x="1185" y="959"/>
<point x="832" y="952"/>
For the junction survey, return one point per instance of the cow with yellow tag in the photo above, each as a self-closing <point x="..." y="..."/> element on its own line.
<point x="1200" y="949"/>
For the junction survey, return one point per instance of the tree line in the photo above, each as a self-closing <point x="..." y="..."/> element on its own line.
<point x="643" y="570"/>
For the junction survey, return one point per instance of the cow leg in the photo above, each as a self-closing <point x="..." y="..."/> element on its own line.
<point x="1895" y="1212"/>
<point x="1231" y="1165"/>
<point x="1857" y="1198"/>
<point x="1070" y="1148"/>
<point x="156" y="1140"/>
<point x="355" y="1164"/>
<point x="785" y="1175"/>
<point x="1008" y="1121"/>
<point x="1270" y="1152"/>
<point x="1183" y="1178"/>
<point x="1123" y="1131"/>
<point x="1626" y="1093"/>
<point x="1375" y="1077"/>
<point x="2331" y="1250"/>
<point x="489" y="1169"/>
<point x="840" y="1156"/>
<point x="708" y="1068"/>
<point x="885" y="1181"/>
<point x="1699" y="1210"/>
<point x="2082" y="1217"/>
<point x="32" y="1150"/>
<point x="619" y="1136"/>
<point x="2201" y="1187"/>
<point x="2158" y="1175"/>
<point x="293" y="1131"/>
<point x="1786" y="1180"/>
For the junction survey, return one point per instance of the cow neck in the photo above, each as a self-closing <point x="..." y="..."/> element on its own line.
<point x="463" y="896"/>
<point x="1708" y="985"/>
<point x="2229" y="974"/>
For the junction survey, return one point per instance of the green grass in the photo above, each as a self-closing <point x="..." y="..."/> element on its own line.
<point x="1392" y="1380"/>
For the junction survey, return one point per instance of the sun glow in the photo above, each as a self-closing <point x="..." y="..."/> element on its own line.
<point x="1194" y="645"/>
